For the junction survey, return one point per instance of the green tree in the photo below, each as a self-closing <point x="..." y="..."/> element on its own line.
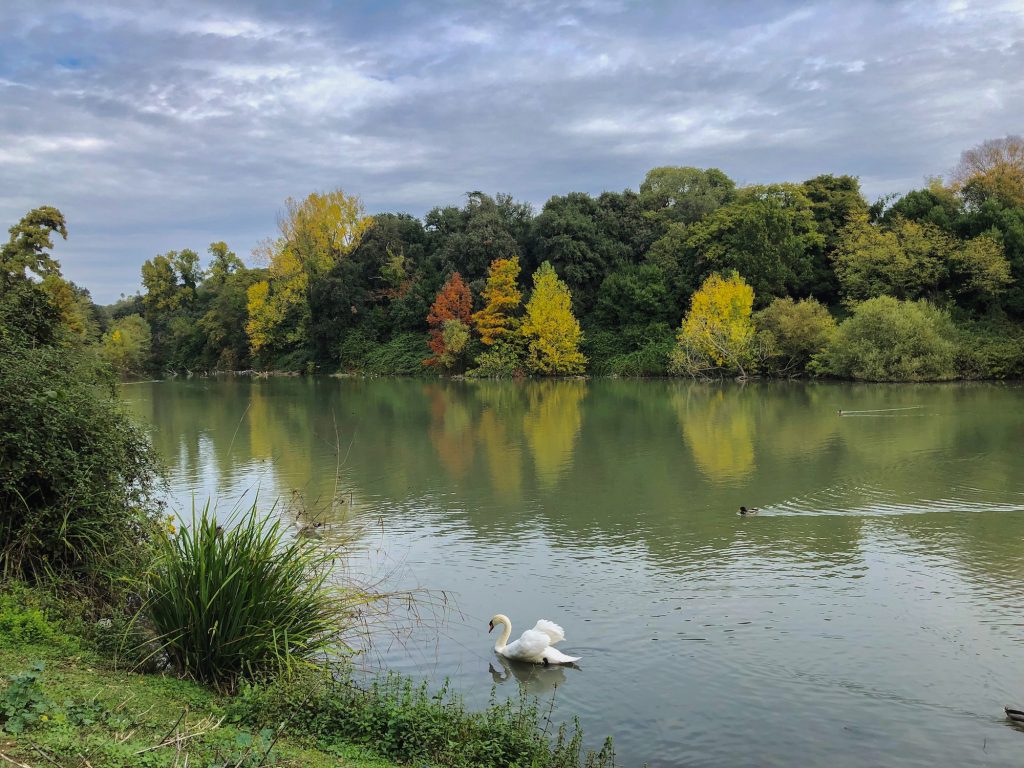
<point x="768" y="234"/>
<point x="551" y="330"/>
<point x="466" y="240"/>
<point x="683" y="195"/>
<point x="27" y="311"/>
<point x="126" y="347"/>
<point x="835" y="201"/>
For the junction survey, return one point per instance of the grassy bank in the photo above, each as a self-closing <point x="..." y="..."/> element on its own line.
<point x="63" y="702"/>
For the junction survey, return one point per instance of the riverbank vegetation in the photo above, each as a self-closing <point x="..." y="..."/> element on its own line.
<point x="126" y="640"/>
<point x="605" y="284"/>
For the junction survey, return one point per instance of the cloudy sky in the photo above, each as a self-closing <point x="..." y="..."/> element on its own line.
<point x="159" y="126"/>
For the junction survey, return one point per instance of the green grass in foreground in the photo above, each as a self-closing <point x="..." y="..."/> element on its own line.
<point x="82" y="712"/>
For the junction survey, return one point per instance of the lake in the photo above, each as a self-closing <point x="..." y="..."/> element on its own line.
<point x="870" y="614"/>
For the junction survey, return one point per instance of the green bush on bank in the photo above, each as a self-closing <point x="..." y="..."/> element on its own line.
<point x="886" y="339"/>
<point x="75" y="473"/>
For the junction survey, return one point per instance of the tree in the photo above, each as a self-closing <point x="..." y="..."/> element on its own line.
<point x="502" y="298"/>
<point x="992" y="170"/>
<point x="717" y="334"/>
<point x="315" y="234"/>
<point x="633" y="295"/>
<point x="466" y="240"/>
<point x="551" y="330"/>
<point x="224" y="264"/>
<point x="683" y="195"/>
<point x="791" y="333"/>
<point x="768" y="234"/>
<point x="27" y="310"/>
<point x="910" y="260"/>
<point x="126" y="346"/>
<point x="905" y="261"/>
<point x="453" y="302"/>
<point x="835" y="201"/>
<point x="980" y="268"/>
<point x="891" y="340"/>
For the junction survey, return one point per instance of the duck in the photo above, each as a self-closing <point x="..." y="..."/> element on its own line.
<point x="311" y="530"/>
<point x="535" y="646"/>
<point x="1014" y="714"/>
<point x="744" y="512"/>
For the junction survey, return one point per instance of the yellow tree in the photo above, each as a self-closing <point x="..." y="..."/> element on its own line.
<point x="717" y="334"/>
<point x="550" y="328"/>
<point x="315" y="234"/>
<point x="502" y="297"/>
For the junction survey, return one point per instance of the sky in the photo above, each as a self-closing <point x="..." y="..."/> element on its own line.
<point x="159" y="126"/>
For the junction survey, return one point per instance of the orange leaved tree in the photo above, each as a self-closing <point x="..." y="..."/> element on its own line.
<point x="453" y="302"/>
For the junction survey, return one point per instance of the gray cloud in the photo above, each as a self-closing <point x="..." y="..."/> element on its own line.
<point x="175" y="126"/>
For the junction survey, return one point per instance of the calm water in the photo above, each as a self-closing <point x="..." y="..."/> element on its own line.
<point x="871" y="615"/>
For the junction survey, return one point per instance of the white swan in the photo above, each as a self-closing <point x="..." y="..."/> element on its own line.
<point x="535" y="645"/>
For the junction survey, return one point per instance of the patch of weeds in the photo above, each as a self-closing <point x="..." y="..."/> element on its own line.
<point x="23" y="703"/>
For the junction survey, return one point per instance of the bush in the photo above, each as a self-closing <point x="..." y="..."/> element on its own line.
<point x="405" y="723"/>
<point x="75" y="472"/>
<point x="354" y="348"/>
<point x="403" y="355"/>
<point x="890" y="340"/>
<point x="506" y="359"/>
<point x="990" y="350"/>
<point x="242" y="602"/>
<point x="791" y="333"/>
<point x="636" y="350"/>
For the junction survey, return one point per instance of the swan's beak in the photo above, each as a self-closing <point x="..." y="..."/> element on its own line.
<point x="490" y="626"/>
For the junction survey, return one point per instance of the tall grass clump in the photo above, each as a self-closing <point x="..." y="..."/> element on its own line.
<point x="244" y="601"/>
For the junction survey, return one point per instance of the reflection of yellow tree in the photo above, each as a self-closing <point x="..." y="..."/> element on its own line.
<point x="551" y="426"/>
<point x="450" y="430"/>
<point x="717" y="425"/>
<point x="504" y="458"/>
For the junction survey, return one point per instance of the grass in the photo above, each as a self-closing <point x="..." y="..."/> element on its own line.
<point x="93" y="715"/>
<point x="244" y="600"/>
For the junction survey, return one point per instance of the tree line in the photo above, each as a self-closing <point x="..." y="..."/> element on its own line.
<point x="690" y="275"/>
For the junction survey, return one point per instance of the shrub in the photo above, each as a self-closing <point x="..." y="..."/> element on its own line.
<point x="990" y="350"/>
<point x="890" y="340"/>
<point x="245" y="601"/>
<point x="505" y="359"/>
<point x="75" y="472"/>
<point x="402" y="355"/>
<point x="790" y="333"/>
<point x="635" y="350"/>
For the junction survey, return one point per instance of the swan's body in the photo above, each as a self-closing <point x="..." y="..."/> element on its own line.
<point x="534" y="645"/>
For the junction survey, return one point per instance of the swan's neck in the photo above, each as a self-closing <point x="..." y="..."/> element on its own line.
<point x="506" y="633"/>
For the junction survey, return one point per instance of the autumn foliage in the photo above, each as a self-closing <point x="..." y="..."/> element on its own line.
<point x="453" y="302"/>
<point x="550" y="327"/>
<point x="502" y="296"/>
<point x="717" y="334"/>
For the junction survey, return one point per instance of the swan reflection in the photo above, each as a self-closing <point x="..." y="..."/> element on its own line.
<point x="534" y="678"/>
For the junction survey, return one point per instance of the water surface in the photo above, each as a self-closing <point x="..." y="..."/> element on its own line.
<point x="871" y="614"/>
